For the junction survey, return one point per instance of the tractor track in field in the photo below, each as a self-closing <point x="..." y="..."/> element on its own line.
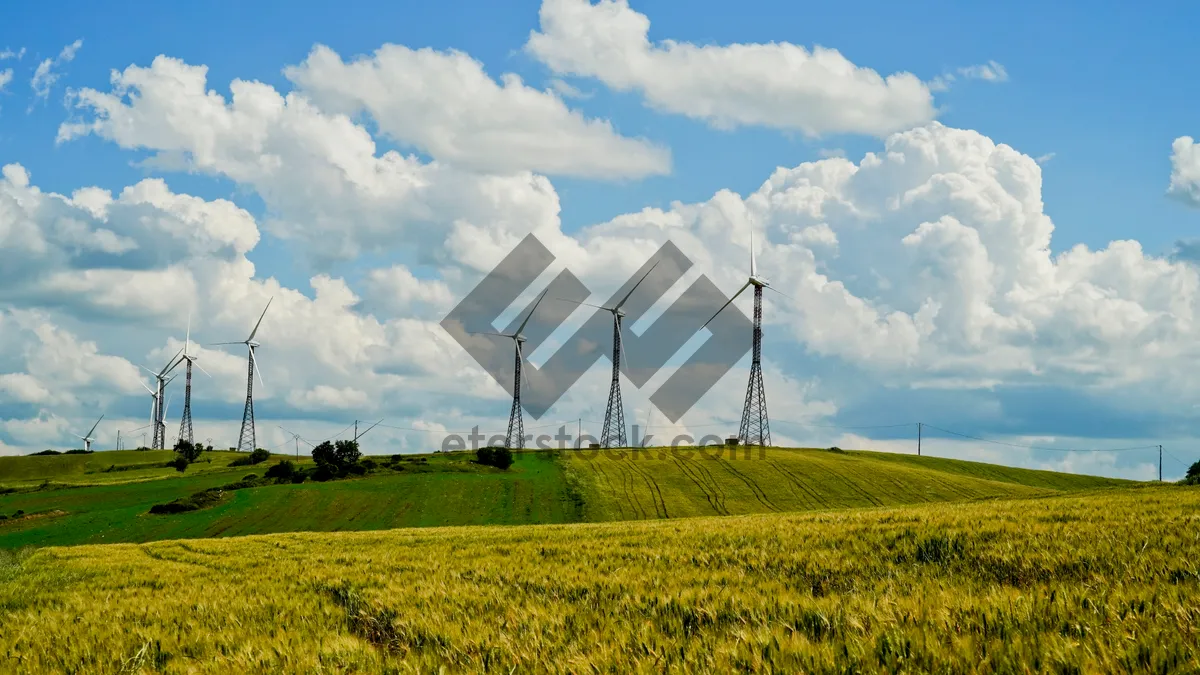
<point x="813" y="496"/>
<point x="652" y="486"/>
<point x="755" y="488"/>
<point x="608" y="483"/>
<point x="627" y="484"/>
<point x="715" y="484"/>
<point x="710" y="494"/>
<point x="871" y="499"/>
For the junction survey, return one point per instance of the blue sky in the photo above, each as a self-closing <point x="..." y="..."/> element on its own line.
<point x="1101" y="90"/>
<point x="1096" y="93"/>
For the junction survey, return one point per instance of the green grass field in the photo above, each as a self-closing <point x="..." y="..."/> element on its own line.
<point x="1096" y="582"/>
<point x="85" y="504"/>
<point x="117" y="466"/>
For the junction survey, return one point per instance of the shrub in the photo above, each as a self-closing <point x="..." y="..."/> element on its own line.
<point x="298" y="477"/>
<point x="336" y="459"/>
<point x="78" y="451"/>
<point x="180" y="463"/>
<point x="369" y="464"/>
<point x="194" y="502"/>
<point x="501" y="458"/>
<point x="284" y="470"/>
<point x="1193" y="474"/>
<point x="47" y="452"/>
<point x="257" y="457"/>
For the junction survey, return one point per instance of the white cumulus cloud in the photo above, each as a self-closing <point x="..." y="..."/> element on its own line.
<point x="780" y="85"/>
<point x="446" y="105"/>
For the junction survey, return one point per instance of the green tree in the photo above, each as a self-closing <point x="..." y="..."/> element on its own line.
<point x="188" y="451"/>
<point x="347" y="453"/>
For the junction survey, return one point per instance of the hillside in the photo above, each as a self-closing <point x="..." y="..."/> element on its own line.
<point x="1098" y="582"/>
<point x="113" y="466"/>
<point x="449" y="489"/>
<point x="659" y="483"/>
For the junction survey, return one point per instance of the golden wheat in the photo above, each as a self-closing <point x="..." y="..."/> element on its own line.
<point x="1104" y="582"/>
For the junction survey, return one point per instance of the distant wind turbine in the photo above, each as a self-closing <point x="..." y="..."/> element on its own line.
<point x="87" y="438"/>
<point x="516" y="421"/>
<point x="755" y="428"/>
<point x="613" y="435"/>
<point x="246" y="440"/>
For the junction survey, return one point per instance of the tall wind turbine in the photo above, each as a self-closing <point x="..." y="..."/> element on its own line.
<point x="516" y="420"/>
<point x="246" y="442"/>
<point x="185" y="425"/>
<point x="613" y="435"/>
<point x="755" y="428"/>
<point x="157" y="416"/>
<point x="87" y="438"/>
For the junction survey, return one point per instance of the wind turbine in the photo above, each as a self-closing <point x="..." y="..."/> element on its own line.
<point x="516" y="421"/>
<point x="185" y="425"/>
<point x="297" y="438"/>
<point x="246" y="441"/>
<point x="755" y="428"/>
<point x="160" y="427"/>
<point x="87" y="439"/>
<point x="613" y="435"/>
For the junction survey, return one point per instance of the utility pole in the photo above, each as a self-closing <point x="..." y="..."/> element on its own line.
<point x="1160" y="463"/>
<point x="918" y="439"/>
<point x="579" y="434"/>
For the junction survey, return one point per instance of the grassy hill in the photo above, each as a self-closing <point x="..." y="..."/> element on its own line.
<point x="114" y="466"/>
<point x="449" y="489"/>
<point x="662" y="483"/>
<point x="1090" y="582"/>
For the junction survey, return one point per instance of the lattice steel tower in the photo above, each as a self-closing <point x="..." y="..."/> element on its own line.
<point x="756" y="428"/>
<point x="246" y="441"/>
<point x="613" y="435"/>
<point x="516" y="417"/>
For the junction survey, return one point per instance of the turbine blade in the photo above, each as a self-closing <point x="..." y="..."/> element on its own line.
<point x="187" y="340"/>
<point x="772" y="288"/>
<point x="152" y="392"/>
<point x="735" y="295"/>
<point x="585" y="304"/>
<point x="201" y="368"/>
<point x="217" y="344"/>
<point x="639" y="283"/>
<point x="496" y="334"/>
<point x="624" y="356"/>
<point x="753" y="266"/>
<point x="172" y="363"/>
<point x="532" y="310"/>
<point x="167" y="408"/>
<point x="148" y="370"/>
<point x="520" y="355"/>
<point x="254" y="361"/>
<point x="95" y="425"/>
<point x="260" y="318"/>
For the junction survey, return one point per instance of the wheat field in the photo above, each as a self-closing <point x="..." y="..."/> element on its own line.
<point x="1099" y="582"/>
